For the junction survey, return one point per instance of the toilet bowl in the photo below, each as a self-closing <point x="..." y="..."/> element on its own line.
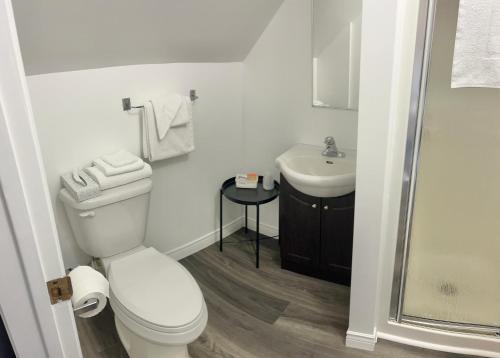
<point x="159" y="307"/>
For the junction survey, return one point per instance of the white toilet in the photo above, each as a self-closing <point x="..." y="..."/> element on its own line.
<point x="159" y="307"/>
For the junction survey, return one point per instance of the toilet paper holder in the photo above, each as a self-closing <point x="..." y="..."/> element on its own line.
<point x="87" y="306"/>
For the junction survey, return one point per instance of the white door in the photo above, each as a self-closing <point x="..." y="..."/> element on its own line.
<point x="29" y="248"/>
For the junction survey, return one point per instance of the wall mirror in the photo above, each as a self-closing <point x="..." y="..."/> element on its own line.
<point x="336" y="47"/>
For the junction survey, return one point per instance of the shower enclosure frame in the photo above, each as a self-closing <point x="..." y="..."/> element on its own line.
<point x="423" y="55"/>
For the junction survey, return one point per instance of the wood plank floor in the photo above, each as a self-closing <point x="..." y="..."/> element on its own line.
<point x="252" y="313"/>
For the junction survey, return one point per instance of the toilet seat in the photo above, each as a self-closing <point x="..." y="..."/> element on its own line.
<point x="156" y="297"/>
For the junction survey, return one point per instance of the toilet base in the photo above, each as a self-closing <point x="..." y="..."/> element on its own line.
<point x="138" y="347"/>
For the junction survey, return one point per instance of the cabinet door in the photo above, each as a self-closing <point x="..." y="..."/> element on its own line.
<point x="299" y="229"/>
<point x="337" y="218"/>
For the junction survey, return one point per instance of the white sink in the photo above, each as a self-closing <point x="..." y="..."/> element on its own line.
<point x="311" y="173"/>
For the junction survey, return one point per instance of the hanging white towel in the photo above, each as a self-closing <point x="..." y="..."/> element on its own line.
<point x="476" y="61"/>
<point x="178" y="140"/>
<point x="108" y="182"/>
<point x="185" y="114"/>
<point x="166" y="110"/>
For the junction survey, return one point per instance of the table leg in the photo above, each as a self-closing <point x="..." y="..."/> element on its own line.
<point x="220" y="233"/>
<point x="246" y="219"/>
<point x="257" y="239"/>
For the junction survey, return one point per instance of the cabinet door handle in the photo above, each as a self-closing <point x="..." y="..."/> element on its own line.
<point x="325" y="207"/>
<point x="314" y="206"/>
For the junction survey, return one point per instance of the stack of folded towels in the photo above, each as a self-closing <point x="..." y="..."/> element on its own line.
<point x="117" y="169"/>
<point x="106" y="172"/>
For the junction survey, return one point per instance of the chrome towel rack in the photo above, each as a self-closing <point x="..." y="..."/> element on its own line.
<point x="127" y="105"/>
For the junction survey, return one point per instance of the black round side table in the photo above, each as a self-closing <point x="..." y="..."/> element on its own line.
<point x="247" y="197"/>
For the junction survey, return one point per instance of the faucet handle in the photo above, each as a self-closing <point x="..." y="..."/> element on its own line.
<point x="329" y="140"/>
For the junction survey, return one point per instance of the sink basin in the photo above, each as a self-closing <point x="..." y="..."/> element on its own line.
<point x="311" y="173"/>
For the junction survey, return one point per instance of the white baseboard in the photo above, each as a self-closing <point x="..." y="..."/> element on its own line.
<point x="361" y="340"/>
<point x="264" y="229"/>
<point x="206" y="240"/>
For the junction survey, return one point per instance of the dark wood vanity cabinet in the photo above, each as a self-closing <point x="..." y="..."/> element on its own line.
<point x="316" y="234"/>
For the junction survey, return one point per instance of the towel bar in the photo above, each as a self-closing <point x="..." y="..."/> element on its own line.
<point x="192" y="95"/>
<point x="127" y="106"/>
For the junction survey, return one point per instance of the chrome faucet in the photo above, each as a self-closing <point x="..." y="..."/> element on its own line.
<point x="331" y="149"/>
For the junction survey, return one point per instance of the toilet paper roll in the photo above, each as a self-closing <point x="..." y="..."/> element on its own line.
<point x="88" y="283"/>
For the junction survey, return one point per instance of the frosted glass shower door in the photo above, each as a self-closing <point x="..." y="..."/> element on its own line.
<point x="453" y="271"/>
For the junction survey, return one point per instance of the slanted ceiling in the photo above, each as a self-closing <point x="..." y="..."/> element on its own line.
<point x="66" y="35"/>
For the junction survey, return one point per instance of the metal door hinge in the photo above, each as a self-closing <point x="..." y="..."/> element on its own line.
<point x="60" y="289"/>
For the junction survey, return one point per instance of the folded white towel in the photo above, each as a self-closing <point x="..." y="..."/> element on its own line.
<point x="476" y="61"/>
<point x="119" y="158"/>
<point x="106" y="182"/>
<point x="179" y="140"/>
<point x="80" y="191"/>
<point x="110" y="170"/>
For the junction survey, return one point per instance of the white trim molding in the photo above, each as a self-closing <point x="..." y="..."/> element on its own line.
<point x="361" y="340"/>
<point x="264" y="229"/>
<point x="206" y="240"/>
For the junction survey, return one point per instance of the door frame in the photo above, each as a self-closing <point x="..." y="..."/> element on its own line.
<point x="30" y="252"/>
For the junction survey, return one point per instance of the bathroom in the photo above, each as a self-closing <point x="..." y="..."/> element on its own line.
<point x="252" y="76"/>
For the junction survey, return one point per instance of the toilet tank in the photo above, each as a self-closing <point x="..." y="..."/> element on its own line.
<point x="111" y="223"/>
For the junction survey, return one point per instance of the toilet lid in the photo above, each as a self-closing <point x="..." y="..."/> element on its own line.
<point x="156" y="289"/>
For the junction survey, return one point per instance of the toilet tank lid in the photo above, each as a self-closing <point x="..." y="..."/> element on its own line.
<point x="108" y="196"/>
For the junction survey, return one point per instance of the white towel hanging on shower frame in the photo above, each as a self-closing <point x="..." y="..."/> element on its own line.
<point x="476" y="61"/>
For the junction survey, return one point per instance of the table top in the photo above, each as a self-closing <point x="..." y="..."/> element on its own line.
<point x="249" y="196"/>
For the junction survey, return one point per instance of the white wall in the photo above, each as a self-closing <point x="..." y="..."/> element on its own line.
<point x="79" y="117"/>
<point x="277" y="99"/>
